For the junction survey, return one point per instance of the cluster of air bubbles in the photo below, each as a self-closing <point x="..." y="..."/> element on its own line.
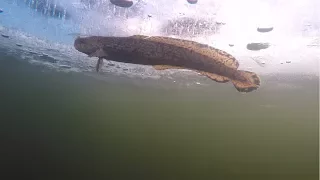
<point x="187" y="26"/>
<point x="107" y="8"/>
<point x="49" y="8"/>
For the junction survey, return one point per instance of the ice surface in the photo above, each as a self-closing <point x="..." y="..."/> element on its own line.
<point x="295" y="36"/>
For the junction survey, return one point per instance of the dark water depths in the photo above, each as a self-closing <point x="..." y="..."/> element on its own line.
<point x="57" y="125"/>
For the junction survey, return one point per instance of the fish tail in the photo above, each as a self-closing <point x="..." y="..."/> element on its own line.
<point x="250" y="81"/>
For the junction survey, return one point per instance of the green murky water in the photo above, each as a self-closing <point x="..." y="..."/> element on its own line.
<point x="57" y="125"/>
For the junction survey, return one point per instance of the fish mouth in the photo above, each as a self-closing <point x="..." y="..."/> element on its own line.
<point x="82" y="45"/>
<point x="78" y="43"/>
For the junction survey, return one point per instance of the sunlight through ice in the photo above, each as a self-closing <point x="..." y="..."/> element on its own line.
<point x="296" y="26"/>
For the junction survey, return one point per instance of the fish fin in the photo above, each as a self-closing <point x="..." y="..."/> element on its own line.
<point x="252" y="82"/>
<point x="164" y="67"/>
<point x="215" y="77"/>
<point x="140" y="36"/>
<point x="99" y="64"/>
<point x="231" y="61"/>
<point x="99" y="53"/>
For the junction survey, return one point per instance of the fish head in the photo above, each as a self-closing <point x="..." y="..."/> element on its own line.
<point x="87" y="45"/>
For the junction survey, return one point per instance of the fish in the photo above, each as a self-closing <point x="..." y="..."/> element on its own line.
<point x="164" y="53"/>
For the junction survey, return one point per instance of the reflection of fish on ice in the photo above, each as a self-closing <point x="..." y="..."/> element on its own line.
<point x="169" y="53"/>
<point x="122" y="3"/>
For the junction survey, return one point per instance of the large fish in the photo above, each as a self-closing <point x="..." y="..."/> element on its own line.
<point x="169" y="53"/>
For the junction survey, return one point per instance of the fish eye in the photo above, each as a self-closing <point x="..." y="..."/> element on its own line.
<point x="80" y="40"/>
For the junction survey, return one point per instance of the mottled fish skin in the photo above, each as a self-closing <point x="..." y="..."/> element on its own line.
<point x="158" y="50"/>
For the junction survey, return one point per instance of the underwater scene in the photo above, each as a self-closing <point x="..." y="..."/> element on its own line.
<point x="158" y="89"/>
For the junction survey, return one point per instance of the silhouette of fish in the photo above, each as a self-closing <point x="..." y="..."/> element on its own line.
<point x="169" y="53"/>
<point x="192" y="1"/>
<point x="257" y="46"/>
<point x="263" y="30"/>
<point x="5" y="36"/>
<point x="122" y="3"/>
